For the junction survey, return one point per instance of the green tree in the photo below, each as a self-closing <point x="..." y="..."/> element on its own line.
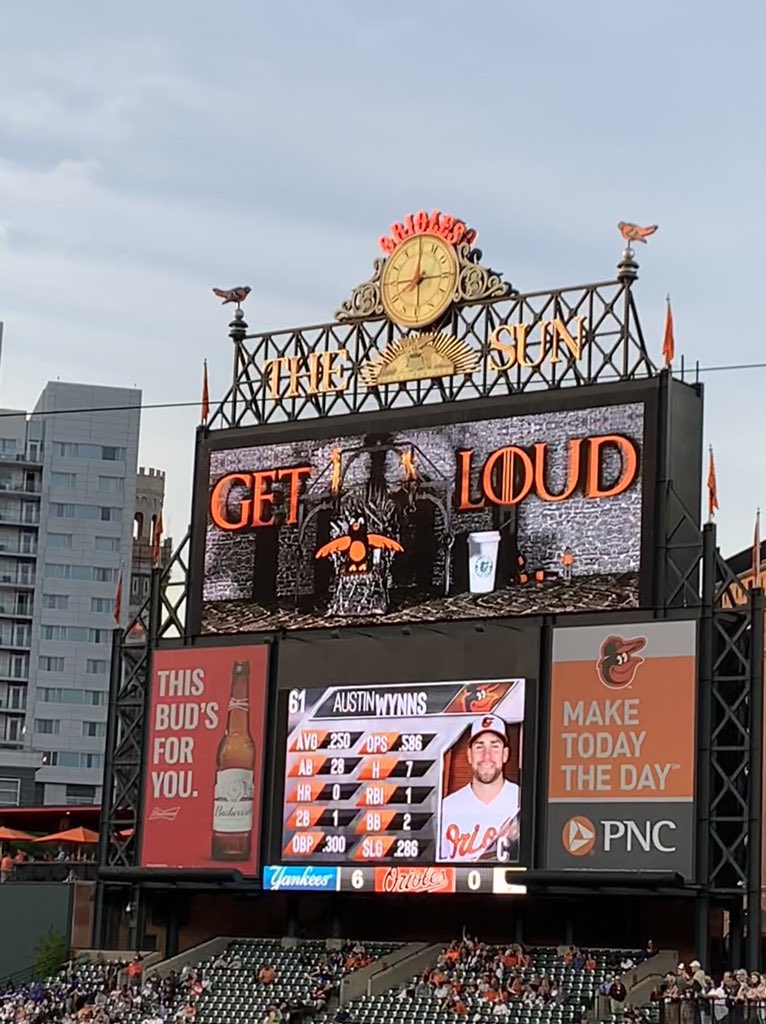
<point x="52" y="953"/>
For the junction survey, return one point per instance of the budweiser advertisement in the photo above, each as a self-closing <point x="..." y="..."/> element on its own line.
<point x="204" y="758"/>
<point x="487" y="517"/>
<point x="622" y="748"/>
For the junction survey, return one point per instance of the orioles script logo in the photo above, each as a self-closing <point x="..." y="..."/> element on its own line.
<point x="414" y="880"/>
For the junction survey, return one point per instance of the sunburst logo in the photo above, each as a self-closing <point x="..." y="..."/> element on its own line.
<point x="419" y="357"/>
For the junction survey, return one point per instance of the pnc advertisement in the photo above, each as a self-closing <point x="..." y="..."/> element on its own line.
<point x="622" y="750"/>
<point x="204" y="758"/>
<point x="494" y="517"/>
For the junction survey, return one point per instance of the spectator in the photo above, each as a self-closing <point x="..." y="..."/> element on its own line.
<point x="617" y="994"/>
<point x="6" y="868"/>
<point x="267" y="975"/>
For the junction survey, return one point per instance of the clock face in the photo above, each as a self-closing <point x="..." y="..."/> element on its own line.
<point x="419" y="280"/>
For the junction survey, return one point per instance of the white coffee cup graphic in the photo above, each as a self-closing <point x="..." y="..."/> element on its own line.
<point x="482" y="561"/>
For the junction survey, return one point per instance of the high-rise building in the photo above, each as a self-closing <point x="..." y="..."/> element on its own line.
<point x="67" y="500"/>
<point x="150" y="495"/>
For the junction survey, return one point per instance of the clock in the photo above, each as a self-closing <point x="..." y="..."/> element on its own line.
<point x="419" y="280"/>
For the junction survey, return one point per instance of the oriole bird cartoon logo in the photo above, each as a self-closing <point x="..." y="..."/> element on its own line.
<point x="478" y="697"/>
<point x="619" y="661"/>
<point x="356" y="546"/>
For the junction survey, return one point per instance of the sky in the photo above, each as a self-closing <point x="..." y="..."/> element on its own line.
<point x="149" y="152"/>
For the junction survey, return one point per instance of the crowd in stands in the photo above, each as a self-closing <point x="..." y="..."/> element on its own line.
<point x="470" y="974"/>
<point x="469" y="977"/>
<point x="691" y="994"/>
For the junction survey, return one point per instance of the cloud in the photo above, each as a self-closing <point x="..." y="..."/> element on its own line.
<point x="152" y="152"/>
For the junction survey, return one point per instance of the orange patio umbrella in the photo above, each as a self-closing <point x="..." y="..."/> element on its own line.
<point x="12" y="834"/>
<point x="71" y="835"/>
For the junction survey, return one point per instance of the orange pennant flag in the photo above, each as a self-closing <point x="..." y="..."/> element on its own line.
<point x="756" y="561"/>
<point x="712" y="487"/>
<point x="118" y="600"/>
<point x="157" y="540"/>
<point x="669" y="341"/>
<point x="205" y="395"/>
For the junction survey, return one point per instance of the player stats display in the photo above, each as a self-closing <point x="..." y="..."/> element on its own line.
<point x="421" y="773"/>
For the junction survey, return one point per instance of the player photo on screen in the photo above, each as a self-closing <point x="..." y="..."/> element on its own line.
<point x="481" y="793"/>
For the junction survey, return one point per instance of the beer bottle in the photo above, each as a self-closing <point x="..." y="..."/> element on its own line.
<point x="235" y="762"/>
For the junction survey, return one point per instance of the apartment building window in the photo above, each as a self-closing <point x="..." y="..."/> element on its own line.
<point x="110" y="515"/>
<point x="110" y="544"/>
<point x="12" y="732"/>
<point x="71" y="450"/>
<point x="50" y="757"/>
<point x="60" y="540"/>
<point x="17" y="698"/>
<point x="96" y="667"/>
<point x="7" y="445"/>
<point x="26" y="575"/>
<point x="94" y="730"/>
<point x="59" y="601"/>
<point x="112" y="484"/>
<point x="64" y="695"/>
<point x="99" y="636"/>
<point x="76" y="795"/>
<point x="21" y="635"/>
<point x="56" y="571"/>
<point x="78" y="634"/>
<point x="62" y="510"/>
<point x="19" y="666"/>
<point x="102" y="575"/>
<point x="28" y="543"/>
<point x="63" y="479"/>
<point x="46" y="664"/>
<point x="101" y="604"/>
<point x="111" y="454"/>
<point x="74" y="759"/>
<point x="10" y="792"/>
<point x="47" y="726"/>
<point x="6" y="480"/>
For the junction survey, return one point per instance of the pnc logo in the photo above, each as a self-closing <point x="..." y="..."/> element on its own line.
<point x="619" y="661"/>
<point x="578" y="836"/>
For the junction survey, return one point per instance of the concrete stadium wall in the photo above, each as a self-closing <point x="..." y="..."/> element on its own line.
<point x="32" y="909"/>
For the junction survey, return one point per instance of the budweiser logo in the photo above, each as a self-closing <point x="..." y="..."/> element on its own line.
<point x="415" y="879"/>
<point x="164" y="813"/>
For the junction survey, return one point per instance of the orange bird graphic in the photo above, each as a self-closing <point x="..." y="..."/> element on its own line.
<point x="356" y="546"/>
<point x="635" y="233"/>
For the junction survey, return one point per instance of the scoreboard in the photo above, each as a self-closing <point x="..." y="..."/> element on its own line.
<point x="368" y="771"/>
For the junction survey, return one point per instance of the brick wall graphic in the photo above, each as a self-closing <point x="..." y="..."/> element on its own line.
<point x="405" y="487"/>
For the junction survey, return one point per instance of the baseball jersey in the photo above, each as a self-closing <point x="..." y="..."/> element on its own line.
<point x="469" y="827"/>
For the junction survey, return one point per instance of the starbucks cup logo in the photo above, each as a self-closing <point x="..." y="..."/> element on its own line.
<point x="484" y="567"/>
<point x="482" y="560"/>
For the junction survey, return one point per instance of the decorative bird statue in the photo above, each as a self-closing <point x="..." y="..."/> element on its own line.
<point x="237" y="295"/>
<point x="635" y="233"/>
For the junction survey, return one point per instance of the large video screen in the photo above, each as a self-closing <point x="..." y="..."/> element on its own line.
<point x="425" y="773"/>
<point x="513" y="515"/>
<point x="204" y="758"/>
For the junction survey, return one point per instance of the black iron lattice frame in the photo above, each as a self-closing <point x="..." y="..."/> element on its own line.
<point x="613" y="349"/>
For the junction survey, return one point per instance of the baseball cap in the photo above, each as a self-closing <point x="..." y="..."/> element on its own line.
<point x="488" y="723"/>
